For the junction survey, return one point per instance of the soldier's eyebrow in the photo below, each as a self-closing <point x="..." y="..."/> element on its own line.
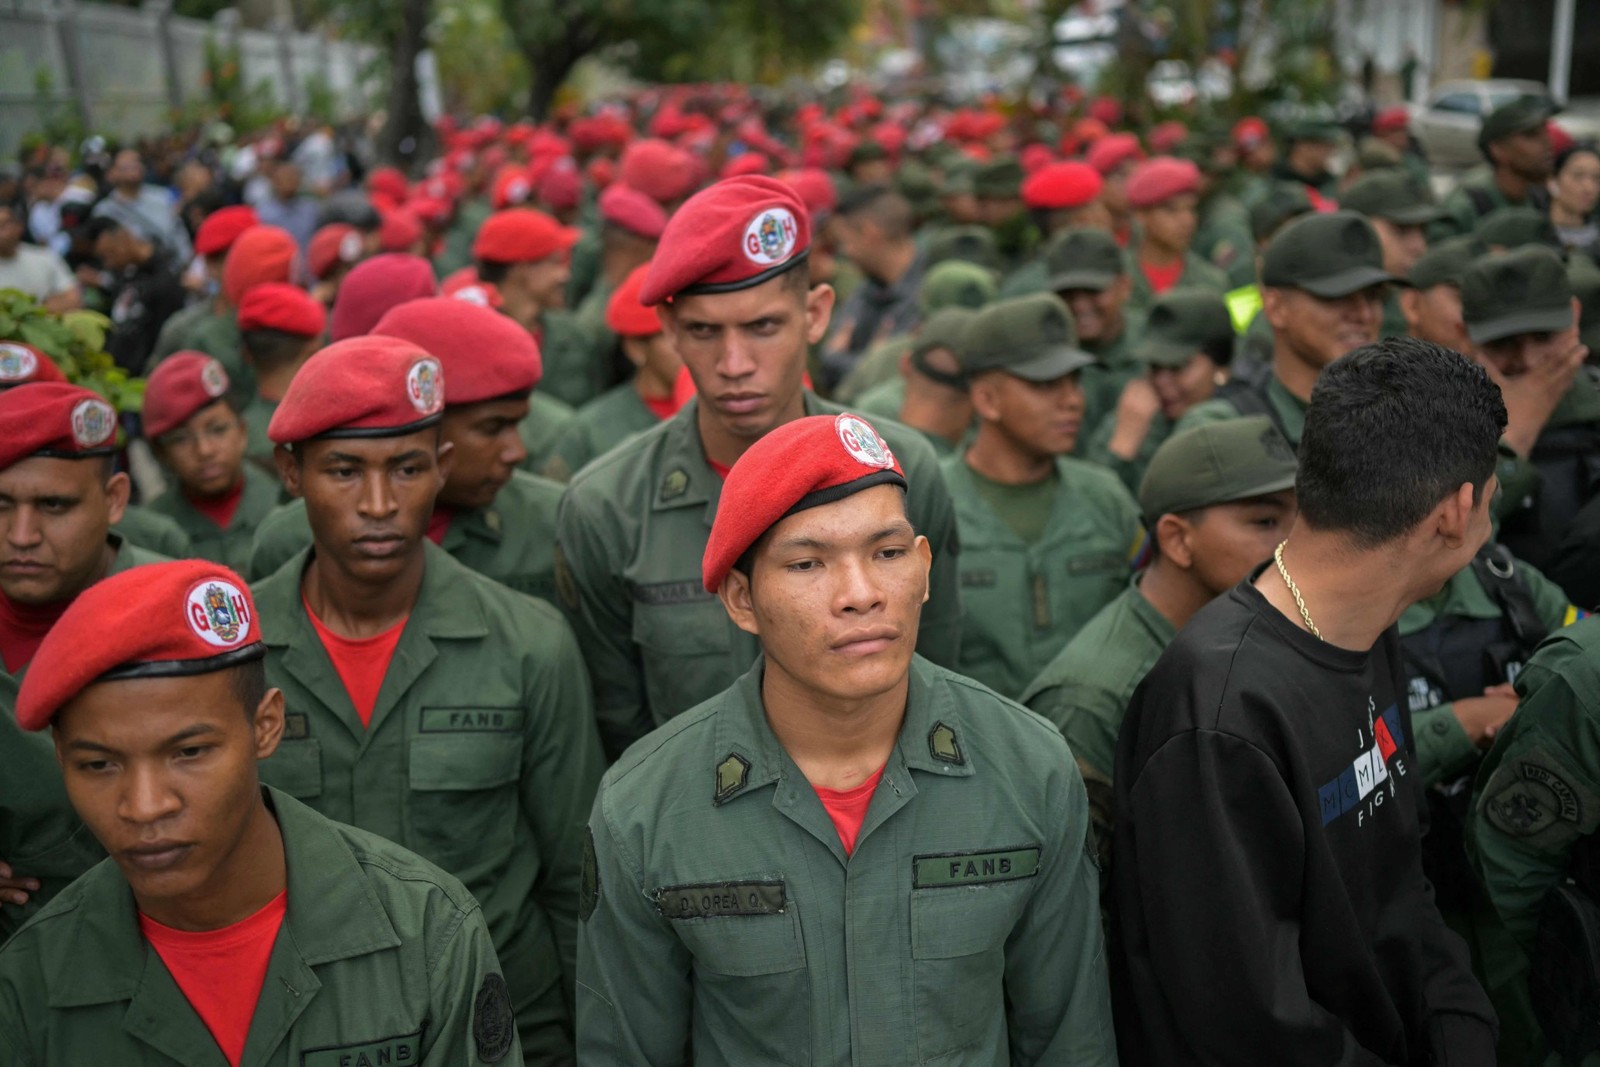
<point x="898" y="529"/>
<point x="187" y="734"/>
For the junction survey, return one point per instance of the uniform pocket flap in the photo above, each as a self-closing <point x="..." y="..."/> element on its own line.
<point x="744" y="941"/>
<point x="687" y="628"/>
<point x="464" y="761"/>
<point x="296" y="768"/>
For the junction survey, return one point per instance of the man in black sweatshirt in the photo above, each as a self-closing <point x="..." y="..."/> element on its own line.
<point x="1270" y="902"/>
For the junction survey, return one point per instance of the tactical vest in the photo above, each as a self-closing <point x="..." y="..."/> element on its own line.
<point x="1568" y="461"/>
<point x="1247" y="392"/>
<point x="1564" y="980"/>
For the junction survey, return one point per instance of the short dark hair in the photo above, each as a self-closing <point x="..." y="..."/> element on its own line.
<point x="888" y="209"/>
<point x="1394" y="428"/>
<point x="1567" y="154"/>
<point x="250" y="685"/>
<point x="271" y="349"/>
<point x="100" y="225"/>
<point x="492" y="273"/>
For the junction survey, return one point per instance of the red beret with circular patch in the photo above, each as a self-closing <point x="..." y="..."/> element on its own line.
<point x="367" y="386"/>
<point x="1160" y="179"/>
<point x="375" y="285"/>
<point x="21" y="364"/>
<point x="54" y="419"/>
<point x="281" y="306"/>
<point x="259" y="254"/>
<point x="1112" y="151"/>
<point x="625" y="315"/>
<point x="511" y="187"/>
<point x="485" y="355"/>
<point x="521" y="235"/>
<point x="161" y="620"/>
<point x="399" y="231"/>
<point x="464" y="285"/>
<point x="737" y="233"/>
<point x="335" y="243"/>
<point x="181" y="385"/>
<point x="222" y="227"/>
<point x="1061" y="185"/>
<point x="631" y="210"/>
<point x="663" y="172"/>
<point x="802" y="464"/>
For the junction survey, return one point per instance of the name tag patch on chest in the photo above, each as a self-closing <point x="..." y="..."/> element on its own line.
<point x="471" y="720"/>
<point x="385" y="1052"/>
<point x="296" y="727"/>
<point x="973" y="868"/>
<point x="979" y="579"/>
<point x="659" y="594"/>
<point x="714" y="899"/>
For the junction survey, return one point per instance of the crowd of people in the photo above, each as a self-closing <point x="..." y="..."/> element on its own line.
<point x="710" y="578"/>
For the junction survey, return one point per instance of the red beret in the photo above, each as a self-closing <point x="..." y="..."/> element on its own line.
<point x="375" y="285"/>
<point x="802" y="464"/>
<point x="160" y="620"/>
<point x="738" y="233"/>
<point x="1112" y="151"/>
<point x="281" y="306"/>
<point x="1034" y="158"/>
<point x="625" y="316"/>
<point x="631" y="210"/>
<point x="259" y="254"/>
<point x="400" y="230"/>
<point x="601" y="171"/>
<point x="1160" y="179"/>
<point x="389" y="182"/>
<point x="181" y="385"/>
<point x="521" y="235"/>
<point x="1167" y="136"/>
<point x="1061" y="185"/>
<point x="335" y="243"/>
<point x="463" y="284"/>
<point x="21" y="364"/>
<point x="484" y="354"/>
<point x="561" y="188"/>
<point x="221" y="228"/>
<point x="365" y="387"/>
<point x="747" y="163"/>
<point x="1249" y="132"/>
<point x="663" y="172"/>
<point x="1391" y="119"/>
<point x="54" y="419"/>
<point x="816" y="190"/>
<point x="1105" y="109"/>
<point x="512" y="186"/>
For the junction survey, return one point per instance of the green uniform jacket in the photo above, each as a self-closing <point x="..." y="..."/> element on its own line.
<point x="512" y="540"/>
<point x="572" y="374"/>
<point x="632" y="530"/>
<point x="174" y="333"/>
<point x="1289" y="412"/>
<point x="481" y="756"/>
<point x="1023" y="602"/>
<point x="40" y="835"/>
<point x="382" y="958"/>
<point x="597" y="428"/>
<point x="471" y="213"/>
<point x="1130" y="471"/>
<point x="257" y="415"/>
<point x="1198" y="273"/>
<point x="230" y="547"/>
<point x="542" y="427"/>
<point x="880" y="364"/>
<point x="723" y="910"/>
<point x="216" y="333"/>
<point x="1105" y="379"/>
<point x="1224" y="240"/>
<point x="149" y="529"/>
<point x="1460" y="208"/>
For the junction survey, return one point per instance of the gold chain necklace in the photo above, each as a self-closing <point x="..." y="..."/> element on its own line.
<point x="1294" y="590"/>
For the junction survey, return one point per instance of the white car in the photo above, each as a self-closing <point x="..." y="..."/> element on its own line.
<point x="1447" y="124"/>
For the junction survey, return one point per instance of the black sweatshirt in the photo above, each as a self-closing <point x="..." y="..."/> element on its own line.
<point x="1270" y="906"/>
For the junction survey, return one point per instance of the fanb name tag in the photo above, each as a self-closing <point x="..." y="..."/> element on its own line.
<point x="471" y="720"/>
<point x="387" y="1052"/>
<point x="973" y="868"/>
<point x="721" y="898"/>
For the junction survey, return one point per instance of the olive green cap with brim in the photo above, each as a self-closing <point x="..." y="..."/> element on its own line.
<point x="1446" y="262"/>
<point x="956" y="283"/>
<point x="1523" y="115"/>
<point x="1514" y="227"/>
<point x="1505" y="294"/>
<point x="971" y="244"/>
<point x="1083" y="259"/>
<point x="1391" y="195"/>
<point x="1217" y="463"/>
<point x="1329" y="256"/>
<point x="1180" y="323"/>
<point x="1030" y="337"/>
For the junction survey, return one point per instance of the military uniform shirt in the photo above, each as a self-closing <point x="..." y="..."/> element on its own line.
<point x="257" y="416"/>
<point x="229" y="547"/>
<point x="1287" y="411"/>
<point x="572" y="373"/>
<point x="151" y="530"/>
<point x="1198" y="273"/>
<point x="722" y="910"/>
<point x="542" y="427"/>
<point x="1129" y="471"/>
<point x="600" y="425"/>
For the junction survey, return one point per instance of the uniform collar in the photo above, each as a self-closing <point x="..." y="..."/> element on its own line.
<point x="683" y="477"/>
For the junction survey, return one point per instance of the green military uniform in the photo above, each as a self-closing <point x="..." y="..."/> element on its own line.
<point x="471" y="214"/>
<point x="40" y="835"/>
<point x="572" y="373"/>
<point x="1287" y="411"/>
<point x="1478" y="195"/>
<point x="722" y="911"/>
<point x="150" y="529"/>
<point x="588" y="256"/>
<point x="1223" y="237"/>
<point x="542" y="427"/>
<point x="229" y="547"/>
<point x="633" y="527"/>
<point x="257" y="416"/>
<point x="596" y="428"/>
<point x="174" y="334"/>
<point x="381" y="958"/>
<point x="480" y="756"/>
<point x="1097" y="449"/>
<point x="511" y="541"/>
<point x="1198" y="273"/>
<point x="590" y="316"/>
<point x="1394" y="196"/>
<point x="216" y="333"/>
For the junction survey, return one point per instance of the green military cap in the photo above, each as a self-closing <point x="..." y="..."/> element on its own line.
<point x="1446" y="262"/>
<point x="1083" y="259"/>
<point x="1373" y="154"/>
<point x="1031" y="337"/>
<point x="969" y="244"/>
<point x="945" y="329"/>
<point x="1391" y="195"/>
<point x="914" y="181"/>
<point x="956" y="283"/>
<point x="1284" y="201"/>
<point x="1525" y="290"/>
<point x="999" y="179"/>
<point x="1523" y="115"/>
<point x="1180" y="323"/>
<point x="958" y="177"/>
<point x="1312" y="128"/>
<point x="1329" y="256"/>
<point x="1513" y="227"/>
<point x="866" y="152"/>
<point x="1216" y="463"/>
<point x="1584" y="274"/>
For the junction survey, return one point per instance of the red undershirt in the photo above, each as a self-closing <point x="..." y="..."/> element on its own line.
<point x="662" y="407"/>
<point x="1124" y="236"/>
<point x="219" y="509"/>
<point x="722" y="472"/>
<point x="22" y="628"/>
<point x="360" y="662"/>
<point x="1162" y="278"/>
<point x="220" y="972"/>
<point x="848" y="808"/>
<point x="439" y="524"/>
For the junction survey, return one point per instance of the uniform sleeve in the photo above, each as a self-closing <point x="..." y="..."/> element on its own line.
<point x="277" y="540"/>
<point x="934" y="516"/>
<point x="1555" y="608"/>
<point x="561" y="770"/>
<point x="595" y="598"/>
<point x="1087" y="716"/>
<point x="1443" y="748"/>
<point x="635" y="993"/>
<point x="1058" y="1001"/>
<point x="471" y="1019"/>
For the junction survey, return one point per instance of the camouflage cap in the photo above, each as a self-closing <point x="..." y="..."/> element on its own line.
<point x="1523" y="115"/>
<point x="1329" y="256"/>
<point x="970" y="244"/>
<point x="1513" y="227"/>
<point x="1031" y="337"/>
<point x="1083" y="259"/>
<point x="999" y="179"/>
<point x="1391" y="195"/>
<point x="1180" y="323"/>
<point x="1283" y="202"/>
<point x="956" y="283"/>
<point x="1505" y="294"/>
<point x="1216" y="463"/>
<point x="1446" y="262"/>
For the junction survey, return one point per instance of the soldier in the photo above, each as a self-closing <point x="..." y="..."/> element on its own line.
<point x="1037" y="528"/>
<point x="1431" y="304"/>
<point x="213" y="312"/>
<point x="740" y="310"/>
<point x="1065" y="196"/>
<point x="1115" y="156"/>
<point x="280" y="325"/>
<point x="933" y="393"/>
<point x="873" y="226"/>
<point x="230" y="922"/>
<point x="863" y="797"/>
<point x="1089" y="272"/>
<point x="218" y="500"/>
<point x="375" y="285"/>
<point x="1164" y="194"/>
<point x="427" y="704"/>
<point x="1322" y="288"/>
<point x="1308" y="145"/>
<point x="630" y="225"/>
<point x="1217" y="499"/>
<point x="58" y="500"/>
<point x="1515" y="141"/>
<point x="1399" y="210"/>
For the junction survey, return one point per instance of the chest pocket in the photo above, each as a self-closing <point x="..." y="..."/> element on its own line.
<point x="684" y="645"/>
<point x="296" y="768"/>
<point x="464" y="797"/>
<point x="958" y="941"/>
<point x="751" y="983"/>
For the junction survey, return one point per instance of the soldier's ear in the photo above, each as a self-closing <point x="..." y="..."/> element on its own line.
<point x="268" y="723"/>
<point x="288" y="464"/>
<point x="737" y="600"/>
<point x="1172" y="536"/>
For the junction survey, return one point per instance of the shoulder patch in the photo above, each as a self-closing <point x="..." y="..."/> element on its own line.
<point x="493" y="1024"/>
<point x="943" y="744"/>
<point x="1534" y="796"/>
<point x="731" y="776"/>
<point x="674" y="485"/>
<point x="589" y="883"/>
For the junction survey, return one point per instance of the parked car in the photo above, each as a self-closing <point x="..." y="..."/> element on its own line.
<point x="1447" y="124"/>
